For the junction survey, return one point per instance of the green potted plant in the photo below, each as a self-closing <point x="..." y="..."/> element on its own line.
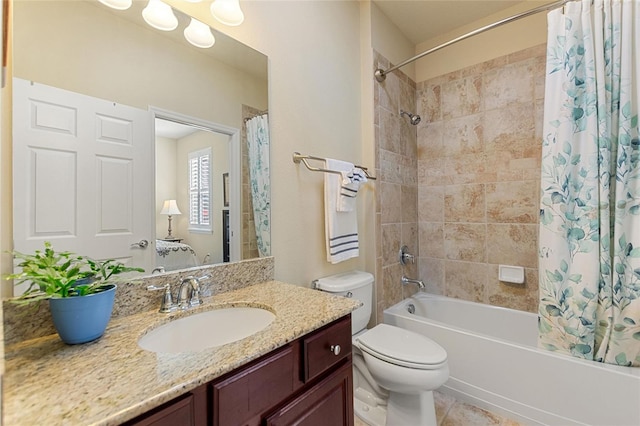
<point x="79" y="289"/>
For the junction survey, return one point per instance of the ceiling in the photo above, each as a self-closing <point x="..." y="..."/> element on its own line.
<point x="172" y="130"/>
<point x="421" y="20"/>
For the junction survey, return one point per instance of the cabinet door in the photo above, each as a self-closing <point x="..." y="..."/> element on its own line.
<point x="187" y="410"/>
<point x="241" y="398"/>
<point x="330" y="402"/>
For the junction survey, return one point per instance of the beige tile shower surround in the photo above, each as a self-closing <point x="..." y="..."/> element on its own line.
<point x="397" y="194"/>
<point x="470" y="185"/>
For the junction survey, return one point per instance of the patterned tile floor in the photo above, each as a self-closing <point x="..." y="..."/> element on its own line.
<point x="451" y="412"/>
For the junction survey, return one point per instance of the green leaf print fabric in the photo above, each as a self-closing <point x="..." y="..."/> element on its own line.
<point x="590" y="199"/>
<point x="260" y="182"/>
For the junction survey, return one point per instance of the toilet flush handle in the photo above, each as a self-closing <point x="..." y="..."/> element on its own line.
<point x="335" y="349"/>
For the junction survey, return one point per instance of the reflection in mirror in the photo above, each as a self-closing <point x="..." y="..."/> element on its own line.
<point x="194" y="167"/>
<point x="114" y="60"/>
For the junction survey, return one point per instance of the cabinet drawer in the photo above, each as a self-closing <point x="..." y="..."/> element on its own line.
<point x="318" y="355"/>
<point x="241" y="397"/>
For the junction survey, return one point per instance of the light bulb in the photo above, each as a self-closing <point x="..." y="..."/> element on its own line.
<point x="117" y="4"/>
<point x="160" y="16"/>
<point x="199" y="34"/>
<point x="227" y="11"/>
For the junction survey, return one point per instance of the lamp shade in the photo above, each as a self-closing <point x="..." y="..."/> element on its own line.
<point x="170" y="207"/>
<point x="160" y="16"/>
<point x="228" y="12"/>
<point x="199" y="34"/>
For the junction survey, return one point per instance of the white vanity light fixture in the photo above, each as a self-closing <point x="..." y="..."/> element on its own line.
<point x="199" y="34"/>
<point x="170" y="208"/>
<point x="117" y="4"/>
<point x="160" y="16"/>
<point x="228" y="12"/>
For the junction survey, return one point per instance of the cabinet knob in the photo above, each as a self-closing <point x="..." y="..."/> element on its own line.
<point x="335" y="349"/>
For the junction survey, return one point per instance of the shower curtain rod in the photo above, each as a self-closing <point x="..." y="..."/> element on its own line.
<point x="381" y="74"/>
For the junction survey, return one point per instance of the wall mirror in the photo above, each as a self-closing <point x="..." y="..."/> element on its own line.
<point x="189" y="101"/>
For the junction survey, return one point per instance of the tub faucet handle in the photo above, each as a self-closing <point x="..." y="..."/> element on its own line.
<point x="406" y="257"/>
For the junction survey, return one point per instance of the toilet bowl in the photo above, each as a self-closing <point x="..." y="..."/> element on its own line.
<point x="395" y="370"/>
<point x="410" y="366"/>
<point x="369" y="399"/>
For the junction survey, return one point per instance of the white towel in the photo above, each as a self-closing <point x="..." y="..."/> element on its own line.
<point x="351" y="182"/>
<point x="341" y="228"/>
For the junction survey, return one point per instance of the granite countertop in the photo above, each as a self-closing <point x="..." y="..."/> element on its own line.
<point x="112" y="379"/>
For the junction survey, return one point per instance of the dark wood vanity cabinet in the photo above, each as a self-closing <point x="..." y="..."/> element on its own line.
<point x="189" y="409"/>
<point x="329" y="402"/>
<point x="307" y="382"/>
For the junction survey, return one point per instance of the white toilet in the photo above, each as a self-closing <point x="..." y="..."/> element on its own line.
<point x="394" y="370"/>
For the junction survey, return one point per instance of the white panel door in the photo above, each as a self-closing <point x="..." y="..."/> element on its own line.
<point x="82" y="175"/>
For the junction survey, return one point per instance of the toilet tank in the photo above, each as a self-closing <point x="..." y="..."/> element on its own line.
<point x="355" y="284"/>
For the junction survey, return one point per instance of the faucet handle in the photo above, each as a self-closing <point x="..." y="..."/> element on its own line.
<point x="405" y="257"/>
<point x="167" y="304"/>
<point x="195" y="299"/>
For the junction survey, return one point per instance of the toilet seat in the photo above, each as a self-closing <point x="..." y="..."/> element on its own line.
<point x="402" y="347"/>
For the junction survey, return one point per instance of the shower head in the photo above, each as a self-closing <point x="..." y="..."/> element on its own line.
<point x="413" y="118"/>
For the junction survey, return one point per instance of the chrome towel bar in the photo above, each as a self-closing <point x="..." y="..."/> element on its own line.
<point x="297" y="158"/>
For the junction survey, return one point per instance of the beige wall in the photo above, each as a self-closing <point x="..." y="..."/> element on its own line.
<point x="314" y="108"/>
<point x="77" y="54"/>
<point x="166" y="183"/>
<point x="321" y="103"/>
<point x="172" y="183"/>
<point x="500" y="41"/>
<point x="202" y="243"/>
<point x="388" y="41"/>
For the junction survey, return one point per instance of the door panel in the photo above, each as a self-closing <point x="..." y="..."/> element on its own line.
<point x="83" y="174"/>
<point x="49" y="170"/>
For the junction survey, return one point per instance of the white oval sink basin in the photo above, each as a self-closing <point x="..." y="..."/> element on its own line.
<point x="206" y="330"/>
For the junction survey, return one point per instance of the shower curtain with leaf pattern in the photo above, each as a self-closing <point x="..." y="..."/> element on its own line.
<point x="260" y="183"/>
<point x="589" y="245"/>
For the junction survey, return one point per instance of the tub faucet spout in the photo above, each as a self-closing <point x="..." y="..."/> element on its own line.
<point x="405" y="280"/>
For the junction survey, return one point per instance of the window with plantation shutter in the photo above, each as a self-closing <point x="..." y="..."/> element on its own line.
<point x="200" y="190"/>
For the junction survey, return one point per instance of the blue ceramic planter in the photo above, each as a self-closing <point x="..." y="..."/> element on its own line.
<point x="81" y="319"/>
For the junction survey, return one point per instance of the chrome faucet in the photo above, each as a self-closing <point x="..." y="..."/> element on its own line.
<point x="406" y="281"/>
<point x="185" y="301"/>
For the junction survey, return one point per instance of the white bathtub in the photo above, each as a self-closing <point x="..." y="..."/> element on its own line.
<point x="495" y="364"/>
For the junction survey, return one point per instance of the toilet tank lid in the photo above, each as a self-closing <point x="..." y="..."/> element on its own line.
<point x="344" y="282"/>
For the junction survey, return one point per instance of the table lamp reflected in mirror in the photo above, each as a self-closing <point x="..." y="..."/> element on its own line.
<point x="170" y="208"/>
